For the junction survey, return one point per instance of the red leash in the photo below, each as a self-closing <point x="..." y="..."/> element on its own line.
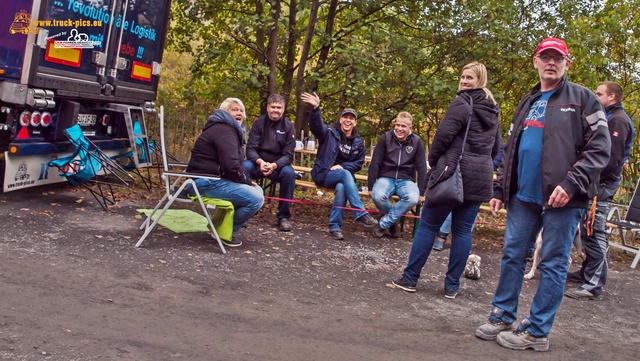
<point x="364" y="210"/>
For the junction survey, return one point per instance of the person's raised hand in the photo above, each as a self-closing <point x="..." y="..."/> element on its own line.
<point x="311" y="99"/>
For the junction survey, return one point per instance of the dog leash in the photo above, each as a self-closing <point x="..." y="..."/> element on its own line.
<point x="591" y="217"/>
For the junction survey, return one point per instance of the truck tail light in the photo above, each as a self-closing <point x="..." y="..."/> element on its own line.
<point x="106" y="119"/>
<point x="25" y="117"/>
<point x="35" y="119"/>
<point x="46" y="119"/>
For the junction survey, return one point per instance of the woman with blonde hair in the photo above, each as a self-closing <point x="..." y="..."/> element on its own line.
<point x="476" y="165"/>
<point x="219" y="151"/>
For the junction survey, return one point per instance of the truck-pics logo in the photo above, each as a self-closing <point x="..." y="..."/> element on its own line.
<point x="20" y="24"/>
<point x="22" y="174"/>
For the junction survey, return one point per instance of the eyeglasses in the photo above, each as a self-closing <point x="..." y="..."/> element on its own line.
<point x="545" y="58"/>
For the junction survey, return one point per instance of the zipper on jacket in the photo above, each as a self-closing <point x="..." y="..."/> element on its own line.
<point x="399" y="157"/>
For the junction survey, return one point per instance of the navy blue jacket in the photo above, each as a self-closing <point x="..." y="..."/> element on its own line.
<point x="329" y="141"/>
<point x="621" y="134"/>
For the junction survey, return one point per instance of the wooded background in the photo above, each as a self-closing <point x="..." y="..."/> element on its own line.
<point x="382" y="57"/>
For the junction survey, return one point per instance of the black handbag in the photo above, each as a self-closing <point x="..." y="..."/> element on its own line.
<point x="448" y="191"/>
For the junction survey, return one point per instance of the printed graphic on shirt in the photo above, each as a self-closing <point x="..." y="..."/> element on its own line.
<point x="535" y="118"/>
<point x="345" y="149"/>
<point x="530" y="152"/>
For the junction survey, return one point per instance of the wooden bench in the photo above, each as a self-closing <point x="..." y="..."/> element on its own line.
<point x="299" y="168"/>
<point x="363" y="194"/>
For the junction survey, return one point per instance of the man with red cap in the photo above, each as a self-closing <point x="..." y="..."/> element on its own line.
<point x="558" y="145"/>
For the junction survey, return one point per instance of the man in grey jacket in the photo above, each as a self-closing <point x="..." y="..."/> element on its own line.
<point x="397" y="158"/>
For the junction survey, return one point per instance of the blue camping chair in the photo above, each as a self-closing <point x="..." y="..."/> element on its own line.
<point x="145" y="159"/>
<point x="91" y="168"/>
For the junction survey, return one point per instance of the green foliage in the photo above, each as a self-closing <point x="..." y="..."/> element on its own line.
<point x="384" y="56"/>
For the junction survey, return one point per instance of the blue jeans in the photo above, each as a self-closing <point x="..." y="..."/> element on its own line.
<point x="384" y="188"/>
<point x="445" y="229"/>
<point x="463" y="216"/>
<point x="247" y="200"/>
<point x="287" y="179"/>
<point x="524" y="221"/>
<point x="346" y="189"/>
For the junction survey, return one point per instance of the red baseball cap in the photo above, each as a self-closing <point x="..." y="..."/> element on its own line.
<point x="553" y="43"/>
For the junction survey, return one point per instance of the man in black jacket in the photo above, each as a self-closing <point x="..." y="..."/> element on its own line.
<point x="558" y="145"/>
<point x="397" y="158"/>
<point x="593" y="273"/>
<point x="270" y="153"/>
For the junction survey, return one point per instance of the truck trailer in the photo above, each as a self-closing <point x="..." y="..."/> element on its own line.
<point x="95" y="63"/>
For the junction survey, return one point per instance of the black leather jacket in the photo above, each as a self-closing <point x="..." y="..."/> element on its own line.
<point x="575" y="145"/>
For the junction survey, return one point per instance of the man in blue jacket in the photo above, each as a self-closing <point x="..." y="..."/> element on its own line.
<point x="270" y="153"/>
<point x="558" y="145"/>
<point x="341" y="154"/>
<point x="398" y="160"/>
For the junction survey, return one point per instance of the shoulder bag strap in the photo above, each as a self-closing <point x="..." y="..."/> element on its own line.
<point x="464" y="141"/>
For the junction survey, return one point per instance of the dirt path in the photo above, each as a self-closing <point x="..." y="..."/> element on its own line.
<point x="73" y="287"/>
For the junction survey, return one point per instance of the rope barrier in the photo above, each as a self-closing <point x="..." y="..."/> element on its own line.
<point x="407" y="215"/>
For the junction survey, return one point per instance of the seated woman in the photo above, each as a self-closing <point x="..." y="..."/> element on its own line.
<point x="341" y="154"/>
<point x="218" y="151"/>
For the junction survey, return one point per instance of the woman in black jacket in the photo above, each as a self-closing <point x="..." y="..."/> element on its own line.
<point x="477" y="176"/>
<point x="219" y="152"/>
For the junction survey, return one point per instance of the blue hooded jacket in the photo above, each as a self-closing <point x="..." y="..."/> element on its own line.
<point x="329" y="142"/>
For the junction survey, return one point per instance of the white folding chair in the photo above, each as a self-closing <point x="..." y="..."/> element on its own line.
<point x="176" y="191"/>
<point x="629" y="227"/>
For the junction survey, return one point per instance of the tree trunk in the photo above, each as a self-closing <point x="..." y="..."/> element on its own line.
<point x="272" y="54"/>
<point x="292" y="41"/>
<point x="261" y="53"/>
<point x="302" y="121"/>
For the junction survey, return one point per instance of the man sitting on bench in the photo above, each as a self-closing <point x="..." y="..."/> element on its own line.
<point x="270" y="152"/>
<point x="341" y="154"/>
<point x="396" y="159"/>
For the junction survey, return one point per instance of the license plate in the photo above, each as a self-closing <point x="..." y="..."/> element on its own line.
<point x="87" y="119"/>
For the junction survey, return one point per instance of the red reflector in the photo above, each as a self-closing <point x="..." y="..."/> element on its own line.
<point x="35" y="119"/>
<point x="25" y="117"/>
<point x="64" y="56"/>
<point x="46" y="119"/>
<point x="141" y="71"/>
<point x="23" y="133"/>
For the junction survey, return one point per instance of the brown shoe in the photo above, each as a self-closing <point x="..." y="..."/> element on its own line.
<point x="522" y="341"/>
<point x="367" y="220"/>
<point x="284" y="225"/>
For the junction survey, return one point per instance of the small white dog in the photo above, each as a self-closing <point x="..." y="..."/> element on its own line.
<point x="472" y="268"/>
<point x="577" y="243"/>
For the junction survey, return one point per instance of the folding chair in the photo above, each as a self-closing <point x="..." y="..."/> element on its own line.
<point x="144" y="159"/>
<point x="88" y="165"/>
<point x="176" y="191"/>
<point x="627" y="228"/>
